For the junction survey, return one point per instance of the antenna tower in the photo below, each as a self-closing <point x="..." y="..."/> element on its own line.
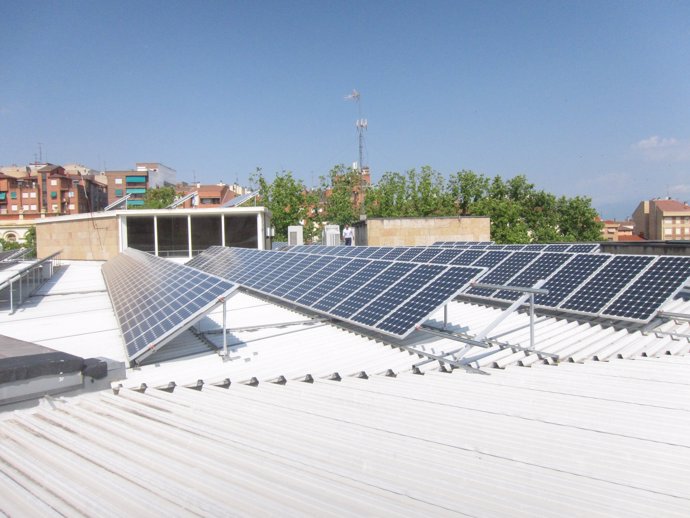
<point x="361" y="124"/>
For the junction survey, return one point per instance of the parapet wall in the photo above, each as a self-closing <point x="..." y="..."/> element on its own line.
<point x="422" y="231"/>
<point x="83" y="239"/>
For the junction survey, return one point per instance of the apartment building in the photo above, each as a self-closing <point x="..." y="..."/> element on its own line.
<point x="662" y="220"/>
<point x="42" y="190"/>
<point x="136" y="182"/>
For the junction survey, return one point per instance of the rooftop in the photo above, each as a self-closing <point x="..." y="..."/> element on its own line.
<point x="308" y="417"/>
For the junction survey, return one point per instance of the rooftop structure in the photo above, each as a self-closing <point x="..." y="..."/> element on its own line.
<point x="314" y="415"/>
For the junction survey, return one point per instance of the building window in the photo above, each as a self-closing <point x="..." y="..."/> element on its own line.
<point x="53" y="182"/>
<point x="14" y="207"/>
<point x="25" y="207"/>
<point x="118" y="181"/>
<point x="34" y="207"/>
<point x="667" y="231"/>
<point x="70" y="194"/>
<point x="53" y="195"/>
<point x="32" y="195"/>
<point x="25" y="195"/>
<point x="13" y="195"/>
<point x="71" y="206"/>
<point x="118" y="192"/>
<point x="54" y="207"/>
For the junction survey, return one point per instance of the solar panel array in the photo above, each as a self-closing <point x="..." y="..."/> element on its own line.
<point x="620" y="287"/>
<point x="577" y="248"/>
<point x="390" y="297"/>
<point x="155" y="299"/>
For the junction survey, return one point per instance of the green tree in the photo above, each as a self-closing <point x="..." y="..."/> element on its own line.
<point x="159" y="198"/>
<point x="426" y="194"/>
<point x="30" y="241"/>
<point x="343" y="192"/>
<point x="467" y="188"/>
<point x="387" y="198"/>
<point x="578" y="219"/>
<point x="288" y="201"/>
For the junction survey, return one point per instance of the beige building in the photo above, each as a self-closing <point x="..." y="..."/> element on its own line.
<point x="421" y="231"/>
<point x="662" y="220"/>
<point x="613" y="230"/>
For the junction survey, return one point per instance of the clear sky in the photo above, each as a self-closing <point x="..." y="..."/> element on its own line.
<point x="584" y="98"/>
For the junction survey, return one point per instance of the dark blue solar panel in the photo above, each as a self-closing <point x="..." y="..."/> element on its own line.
<point x="514" y="247"/>
<point x="381" y="252"/>
<point x="401" y="290"/>
<point x="334" y="280"/>
<point x="491" y="259"/>
<point x="372" y="289"/>
<point x="596" y="293"/>
<point x="155" y="299"/>
<point x="505" y="270"/>
<point x="358" y="279"/>
<point x="658" y="284"/>
<point x="415" y="310"/>
<point x="395" y="253"/>
<point x="268" y="282"/>
<point x="327" y="268"/>
<point x="410" y="254"/>
<point x="568" y="279"/>
<point x="534" y="248"/>
<point x="308" y="267"/>
<point x="541" y="268"/>
<point x="447" y="256"/>
<point x="583" y="248"/>
<point x="495" y="247"/>
<point x="367" y="251"/>
<point x="427" y="255"/>
<point x="467" y="257"/>
<point x="557" y="248"/>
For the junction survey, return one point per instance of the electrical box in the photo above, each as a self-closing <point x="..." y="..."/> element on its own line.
<point x="295" y="235"/>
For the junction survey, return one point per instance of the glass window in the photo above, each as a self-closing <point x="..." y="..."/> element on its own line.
<point x="241" y="231"/>
<point x="140" y="233"/>
<point x="53" y="195"/>
<point x="206" y="232"/>
<point x="13" y="195"/>
<point x="118" y="181"/>
<point x="173" y="236"/>
<point x="118" y="192"/>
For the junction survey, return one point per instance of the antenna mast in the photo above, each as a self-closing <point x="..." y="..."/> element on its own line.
<point x="361" y="125"/>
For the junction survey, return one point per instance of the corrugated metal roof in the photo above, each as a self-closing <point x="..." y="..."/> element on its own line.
<point x="573" y="440"/>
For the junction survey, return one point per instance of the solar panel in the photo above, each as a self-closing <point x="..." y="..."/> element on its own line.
<point x="540" y="269"/>
<point x="364" y="292"/>
<point x="395" y="253"/>
<point x="338" y="277"/>
<point x="511" y="266"/>
<point x="467" y="257"/>
<point x="364" y="295"/>
<point x="557" y="248"/>
<point x="442" y="289"/>
<point x="657" y="284"/>
<point x="410" y="254"/>
<point x="491" y="259"/>
<point x="155" y="299"/>
<point x="606" y="284"/>
<point x="534" y="248"/>
<point x="328" y="266"/>
<point x="447" y="256"/>
<point x="513" y="247"/>
<point x="566" y="280"/>
<point x="401" y="290"/>
<point x="583" y="248"/>
<point x="239" y="200"/>
<point x="427" y="255"/>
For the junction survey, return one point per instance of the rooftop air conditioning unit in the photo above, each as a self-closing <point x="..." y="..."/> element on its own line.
<point x="331" y="235"/>
<point x="295" y="235"/>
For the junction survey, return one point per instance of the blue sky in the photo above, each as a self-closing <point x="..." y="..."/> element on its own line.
<point x="584" y="98"/>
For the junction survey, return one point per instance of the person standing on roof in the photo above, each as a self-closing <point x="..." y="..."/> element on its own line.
<point x="348" y="235"/>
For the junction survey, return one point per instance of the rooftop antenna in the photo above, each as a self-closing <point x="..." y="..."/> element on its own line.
<point x="361" y="125"/>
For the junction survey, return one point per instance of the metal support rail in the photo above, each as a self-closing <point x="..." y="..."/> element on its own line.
<point x="32" y="268"/>
<point x="441" y="359"/>
<point x="528" y="294"/>
<point x="482" y="343"/>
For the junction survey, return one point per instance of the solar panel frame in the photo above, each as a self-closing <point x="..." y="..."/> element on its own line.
<point x="154" y="300"/>
<point x="605" y="284"/>
<point x="652" y="288"/>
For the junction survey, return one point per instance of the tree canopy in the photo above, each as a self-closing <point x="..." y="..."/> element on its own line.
<point x="519" y="212"/>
